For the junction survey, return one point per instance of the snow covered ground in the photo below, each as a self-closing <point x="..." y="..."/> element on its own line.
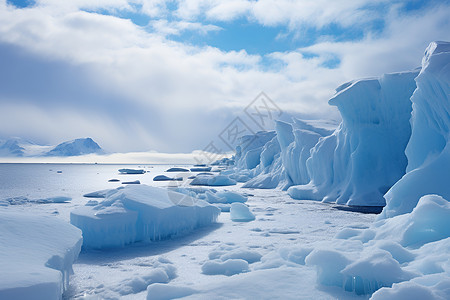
<point x="126" y="272"/>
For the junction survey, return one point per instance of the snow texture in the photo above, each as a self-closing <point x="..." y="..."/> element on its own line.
<point x="140" y="213"/>
<point x="229" y="267"/>
<point x="36" y="255"/>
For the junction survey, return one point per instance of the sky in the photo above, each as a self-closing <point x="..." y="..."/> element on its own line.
<point x="172" y="76"/>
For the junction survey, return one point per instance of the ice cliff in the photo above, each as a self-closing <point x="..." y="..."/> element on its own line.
<point x="428" y="150"/>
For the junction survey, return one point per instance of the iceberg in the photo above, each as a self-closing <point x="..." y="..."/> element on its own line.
<point x="36" y="255"/>
<point x="201" y="169"/>
<point x="132" y="182"/>
<point x="166" y="178"/>
<point x="131" y="171"/>
<point x="176" y="169"/>
<point x="428" y="150"/>
<point x="365" y="156"/>
<point x="141" y="214"/>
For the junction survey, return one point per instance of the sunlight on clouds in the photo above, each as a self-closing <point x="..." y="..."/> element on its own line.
<point x="156" y="81"/>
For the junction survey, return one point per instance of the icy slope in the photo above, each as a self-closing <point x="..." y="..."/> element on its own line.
<point x="140" y="213"/>
<point x="365" y="156"/>
<point x="36" y="255"/>
<point x="428" y="150"/>
<point x="76" y="147"/>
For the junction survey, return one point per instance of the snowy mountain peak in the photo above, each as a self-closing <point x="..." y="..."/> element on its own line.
<point x="19" y="147"/>
<point x="76" y="147"/>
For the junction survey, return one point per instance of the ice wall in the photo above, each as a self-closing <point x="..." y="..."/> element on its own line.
<point x="365" y="156"/>
<point x="296" y="142"/>
<point x="282" y="160"/>
<point x="428" y="150"/>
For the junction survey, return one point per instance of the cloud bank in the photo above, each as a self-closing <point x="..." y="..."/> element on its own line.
<point x="128" y="74"/>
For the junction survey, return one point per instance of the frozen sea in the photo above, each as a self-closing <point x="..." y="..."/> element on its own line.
<point x="125" y="273"/>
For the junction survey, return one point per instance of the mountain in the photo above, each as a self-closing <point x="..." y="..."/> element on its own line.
<point x="76" y="147"/>
<point x="18" y="147"/>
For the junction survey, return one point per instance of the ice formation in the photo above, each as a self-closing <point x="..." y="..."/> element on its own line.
<point x="404" y="248"/>
<point x="365" y="156"/>
<point x="277" y="159"/>
<point x="131" y="171"/>
<point x="132" y="182"/>
<point x="240" y="212"/>
<point x="428" y="150"/>
<point x="21" y="200"/>
<point x="166" y="178"/>
<point x="36" y="255"/>
<point x="140" y="213"/>
<point x="177" y="169"/>
<point x="213" y="180"/>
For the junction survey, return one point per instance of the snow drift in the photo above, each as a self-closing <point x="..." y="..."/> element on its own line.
<point x="140" y="213"/>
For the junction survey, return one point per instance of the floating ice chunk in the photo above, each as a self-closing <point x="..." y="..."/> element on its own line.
<point x="57" y="199"/>
<point x="37" y="253"/>
<point x="215" y="180"/>
<point x="131" y="171"/>
<point x="20" y="200"/>
<point x="176" y="169"/>
<point x="132" y="182"/>
<point x="166" y="178"/>
<point x="239" y="212"/>
<point x="141" y="213"/>
<point x="229" y="267"/>
<point x="201" y="169"/>
<point x="160" y="291"/>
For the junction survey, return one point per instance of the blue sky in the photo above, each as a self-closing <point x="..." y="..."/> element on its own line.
<point x="170" y="75"/>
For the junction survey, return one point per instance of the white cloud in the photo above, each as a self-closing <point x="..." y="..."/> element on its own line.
<point x="171" y="96"/>
<point x="165" y="27"/>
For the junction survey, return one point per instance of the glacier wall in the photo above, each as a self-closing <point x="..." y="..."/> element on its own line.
<point x="428" y="150"/>
<point x="365" y="156"/>
<point x="277" y="159"/>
